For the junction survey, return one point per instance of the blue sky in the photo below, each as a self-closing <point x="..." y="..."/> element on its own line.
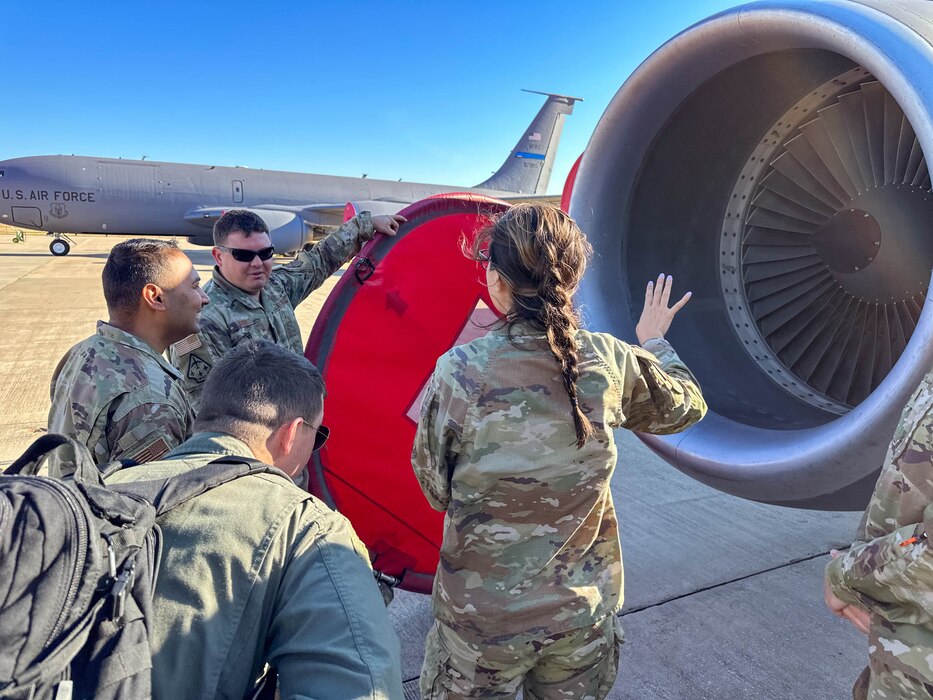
<point x="427" y="92"/>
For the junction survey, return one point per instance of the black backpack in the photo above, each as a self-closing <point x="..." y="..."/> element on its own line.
<point x="78" y="565"/>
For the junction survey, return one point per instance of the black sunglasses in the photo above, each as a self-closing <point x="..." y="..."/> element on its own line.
<point x="244" y="256"/>
<point x="320" y="434"/>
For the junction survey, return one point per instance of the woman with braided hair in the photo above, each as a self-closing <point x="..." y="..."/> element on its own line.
<point x="515" y="443"/>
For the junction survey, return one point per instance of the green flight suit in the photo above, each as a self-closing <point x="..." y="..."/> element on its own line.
<point x="259" y="572"/>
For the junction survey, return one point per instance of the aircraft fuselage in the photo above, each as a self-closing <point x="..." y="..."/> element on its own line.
<point x="81" y="194"/>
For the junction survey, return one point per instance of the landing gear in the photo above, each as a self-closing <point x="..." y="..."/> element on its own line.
<point x="60" y="245"/>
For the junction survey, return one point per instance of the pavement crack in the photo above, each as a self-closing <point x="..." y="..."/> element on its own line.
<point x="714" y="586"/>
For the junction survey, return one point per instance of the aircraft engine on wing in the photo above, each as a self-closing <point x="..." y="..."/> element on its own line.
<point x="771" y="158"/>
<point x="287" y="230"/>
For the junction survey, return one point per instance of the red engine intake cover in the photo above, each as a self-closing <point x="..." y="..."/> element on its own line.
<point x="401" y="304"/>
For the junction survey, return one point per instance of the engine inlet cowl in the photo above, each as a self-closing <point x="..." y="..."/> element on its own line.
<point x="771" y="158"/>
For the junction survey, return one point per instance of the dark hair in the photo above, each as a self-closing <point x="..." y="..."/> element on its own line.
<point x="132" y="265"/>
<point x="541" y="254"/>
<point x="259" y="383"/>
<point x="242" y="220"/>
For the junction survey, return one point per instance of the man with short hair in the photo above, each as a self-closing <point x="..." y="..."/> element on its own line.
<point x="251" y="299"/>
<point x="114" y="391"/>
<point x="257" y="572"/>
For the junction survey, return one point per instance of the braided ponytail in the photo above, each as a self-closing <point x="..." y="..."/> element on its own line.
<point x="541" y="254"/>
<point x="560" y="322"/>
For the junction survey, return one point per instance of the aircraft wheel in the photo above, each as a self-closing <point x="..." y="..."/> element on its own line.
<point x="59" y="247"/>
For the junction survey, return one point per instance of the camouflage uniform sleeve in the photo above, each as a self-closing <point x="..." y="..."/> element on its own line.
<point x="439" y="439"/>
<point x="892" y="574"/>
<point x="660" y="395"/>
<point x="196" y="355"/>
<point x="309" y="270"/>
<point x="144" y="432"/>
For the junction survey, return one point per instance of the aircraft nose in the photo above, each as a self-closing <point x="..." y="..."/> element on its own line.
<point x="6" y="195"/>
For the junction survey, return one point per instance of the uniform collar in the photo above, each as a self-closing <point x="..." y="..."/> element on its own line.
<point x="244" y="298"/>
<point x="105" y="330"/>
<point x="521" y="329"/>
<point x="211" y="443"/>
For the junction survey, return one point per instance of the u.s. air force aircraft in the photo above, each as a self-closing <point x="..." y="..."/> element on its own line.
<point x="81" y="194"/>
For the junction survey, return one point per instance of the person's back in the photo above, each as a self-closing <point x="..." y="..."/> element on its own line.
<point x="534" y="516"/>
<point x="515" y="442"/>
<point x="257" y="571"/>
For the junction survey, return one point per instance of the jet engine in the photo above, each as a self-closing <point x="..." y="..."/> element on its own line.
<point x="771" y="158"/>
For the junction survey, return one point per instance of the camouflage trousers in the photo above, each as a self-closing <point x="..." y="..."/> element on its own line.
<point x="878" y="682"/>
<point x="579" y="664"/>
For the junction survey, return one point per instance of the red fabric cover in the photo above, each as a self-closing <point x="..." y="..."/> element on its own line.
<point x="376" y="343"/>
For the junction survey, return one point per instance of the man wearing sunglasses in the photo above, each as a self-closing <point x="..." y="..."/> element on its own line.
<point x="251" y="299"/>
<point x="257" y="572"/>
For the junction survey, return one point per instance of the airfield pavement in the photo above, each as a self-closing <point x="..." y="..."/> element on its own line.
<point x="723" y="597"/>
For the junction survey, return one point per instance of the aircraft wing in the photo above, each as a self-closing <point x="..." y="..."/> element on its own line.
<point x="530" y="198"/>
<point x="325" y="214"/>
<point x="288" y="228"/>
<point x="292" y="226"/>
<point x="336" y="214"/>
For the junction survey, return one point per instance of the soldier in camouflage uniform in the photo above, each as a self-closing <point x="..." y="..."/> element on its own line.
<point x="888" y="571"/>
<point x="114" y="391"/>
<point x="515" y="442"/>
<point x="251" y="299"/>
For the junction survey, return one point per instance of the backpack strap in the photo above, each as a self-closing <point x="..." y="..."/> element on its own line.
<point x="170" y="492"/>
<point x="31" y="460"/>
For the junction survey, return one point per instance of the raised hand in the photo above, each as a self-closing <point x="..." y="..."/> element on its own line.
<point x="656" y="317"/>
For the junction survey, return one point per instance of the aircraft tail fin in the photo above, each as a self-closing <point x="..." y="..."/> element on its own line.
<point x="527" y="170"/>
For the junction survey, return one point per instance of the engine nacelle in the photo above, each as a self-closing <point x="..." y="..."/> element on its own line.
<point x="771" y="158"/>
<point x="288" y="231"/>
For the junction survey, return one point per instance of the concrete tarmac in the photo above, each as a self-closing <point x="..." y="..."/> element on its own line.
<point x="723" y="597"/>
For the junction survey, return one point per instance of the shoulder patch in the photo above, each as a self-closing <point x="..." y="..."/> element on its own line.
<point x="186" y="345"/>
<point x="150" y="452"/>
<point x="198" y="369"/>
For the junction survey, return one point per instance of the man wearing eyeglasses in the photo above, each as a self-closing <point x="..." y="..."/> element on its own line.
<point x="258" y="573"/>
<point x="251" y="299"/>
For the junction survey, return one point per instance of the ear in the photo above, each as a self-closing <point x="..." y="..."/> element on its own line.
<point x="152" y="296"/>
<point x="288" y="433"/>
<point x="495" y="281"/>
<point x="217" y="253"/>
